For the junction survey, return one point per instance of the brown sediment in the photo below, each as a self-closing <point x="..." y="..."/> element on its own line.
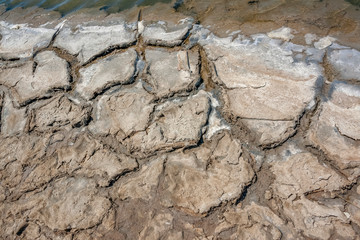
<point x="135" y="160"/>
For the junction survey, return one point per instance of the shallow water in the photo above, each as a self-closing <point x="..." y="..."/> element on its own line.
<point x="337" y="18"/>
<point x="67" y="6"/>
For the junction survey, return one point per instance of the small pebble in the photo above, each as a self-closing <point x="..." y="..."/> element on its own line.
<point x="268" y="195"/>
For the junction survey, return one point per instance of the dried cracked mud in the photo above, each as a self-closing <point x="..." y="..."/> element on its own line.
<point x="161" y="130"/>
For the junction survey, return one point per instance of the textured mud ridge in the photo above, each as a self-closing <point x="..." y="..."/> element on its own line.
<point x="153" y="130"/>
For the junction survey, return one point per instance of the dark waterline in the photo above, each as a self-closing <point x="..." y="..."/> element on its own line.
<point x="68" y="6"/>
<point x="354" y="2"/>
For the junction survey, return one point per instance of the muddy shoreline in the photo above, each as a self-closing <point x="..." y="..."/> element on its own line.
<point x="339" y="19"/>
<point x="164" y="124"/>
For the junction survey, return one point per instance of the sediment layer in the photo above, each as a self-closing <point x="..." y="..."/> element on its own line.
<point x="155" y="130"/>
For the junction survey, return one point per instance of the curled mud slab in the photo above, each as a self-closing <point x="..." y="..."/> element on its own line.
<point x="143" y="129"/>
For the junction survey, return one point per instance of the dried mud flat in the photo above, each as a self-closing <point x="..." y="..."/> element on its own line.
<point x="114" y="129"/>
